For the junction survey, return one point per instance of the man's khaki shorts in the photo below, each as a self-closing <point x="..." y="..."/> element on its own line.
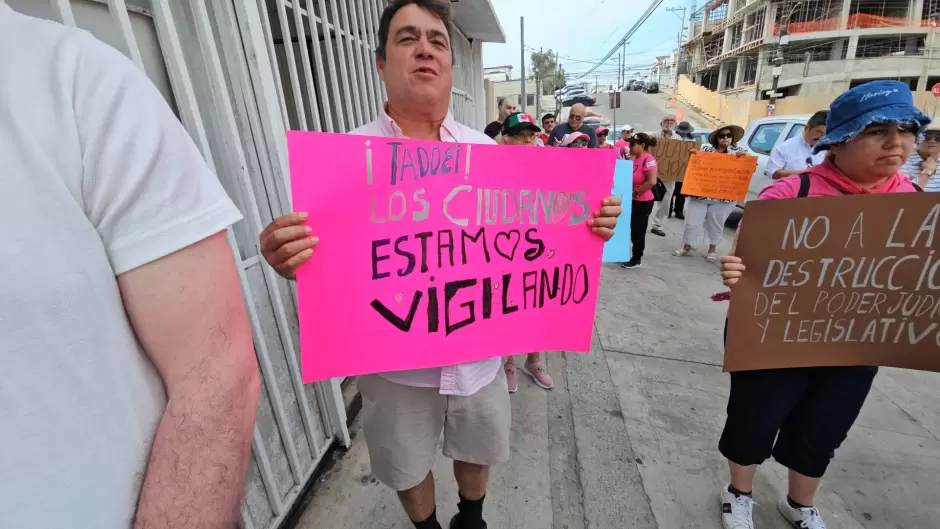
<point x="403" y="426"/>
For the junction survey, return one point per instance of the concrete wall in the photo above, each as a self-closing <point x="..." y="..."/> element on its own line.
<point x="729" y="109"/>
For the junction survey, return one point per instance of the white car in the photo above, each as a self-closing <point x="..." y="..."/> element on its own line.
<point x="761" y="136"/>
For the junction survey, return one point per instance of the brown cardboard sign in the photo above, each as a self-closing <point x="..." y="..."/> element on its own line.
<point x="672" y="157"/>
<point x="832" y="281"/>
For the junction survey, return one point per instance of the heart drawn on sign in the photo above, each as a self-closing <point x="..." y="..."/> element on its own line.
<point x="511" y="238"/>
<point x="398" y="297"/>
<point x="551" y="253"/>
<point x="560" y="205"/>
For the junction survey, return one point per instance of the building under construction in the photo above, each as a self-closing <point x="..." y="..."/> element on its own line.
<point x="746" y="48"/>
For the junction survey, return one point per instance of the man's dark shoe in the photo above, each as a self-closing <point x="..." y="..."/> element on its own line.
<point x="632" y="263"/>
<point x="658" y="231"/>
<point x="680" y="216"/>
<point x="455" y="523"/>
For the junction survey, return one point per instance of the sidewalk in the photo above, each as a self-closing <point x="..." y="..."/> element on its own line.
<point x="627" y="438"/>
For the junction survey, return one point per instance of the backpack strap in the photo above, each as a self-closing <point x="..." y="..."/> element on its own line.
<point x="917" y="187"/>
<point x="804" y="186"/>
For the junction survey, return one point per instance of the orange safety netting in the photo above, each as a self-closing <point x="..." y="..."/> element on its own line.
<point x="856" y="21"/>
<point x="829" y="24"/>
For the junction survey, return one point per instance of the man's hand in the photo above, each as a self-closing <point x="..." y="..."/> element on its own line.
<point x="287" y="243"/>
<point x="605" y="219"/>
<point x="732" y="268"/>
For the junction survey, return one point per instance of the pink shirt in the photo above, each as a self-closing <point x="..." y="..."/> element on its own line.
<point x="461" y="379"/>
<point x="826" y="180"/>
<point x="640" y="166"/>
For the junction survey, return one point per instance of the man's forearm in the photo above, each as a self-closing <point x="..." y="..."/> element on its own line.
<point x="781" y="173"/>
<point x="196" y="474"/>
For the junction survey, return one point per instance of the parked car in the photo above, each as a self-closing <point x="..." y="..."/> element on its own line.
<point x="567" y="90"/>
<point x="597" y="121"/>
<point x="582" y="97"/>
<point x="637" y="85"/>
<point x="760" y="137"/>
<point x="651" y="87"/>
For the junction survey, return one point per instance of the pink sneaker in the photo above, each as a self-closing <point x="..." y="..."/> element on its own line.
<point x="539" y="374"/>
<point x="511" y="381"/>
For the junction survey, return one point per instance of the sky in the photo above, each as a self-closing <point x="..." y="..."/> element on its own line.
<point x="583" y="31"/>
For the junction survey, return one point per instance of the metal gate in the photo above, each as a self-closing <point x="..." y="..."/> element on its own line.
<point x="213" y="78"/>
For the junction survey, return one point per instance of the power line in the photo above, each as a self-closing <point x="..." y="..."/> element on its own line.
<point x="646" y="14"/>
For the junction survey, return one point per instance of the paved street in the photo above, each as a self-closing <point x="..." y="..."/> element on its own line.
<point x="628" y="436"/>
<point x="642" y="111"/>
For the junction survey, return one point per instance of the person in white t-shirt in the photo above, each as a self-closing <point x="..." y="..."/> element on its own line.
<point x="795" y="155"/>
<point x="130" y="384"/>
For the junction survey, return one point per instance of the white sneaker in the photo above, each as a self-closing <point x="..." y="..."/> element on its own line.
<point x="804" y="518"/>
<point x="736" y="511"/>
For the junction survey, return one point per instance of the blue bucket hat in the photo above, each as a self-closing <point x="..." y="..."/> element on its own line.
<point x="874" y="102"/>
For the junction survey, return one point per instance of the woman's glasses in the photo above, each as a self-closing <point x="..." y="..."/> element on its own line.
<point x="725" y="135"/>
<point x="932" y="136"/>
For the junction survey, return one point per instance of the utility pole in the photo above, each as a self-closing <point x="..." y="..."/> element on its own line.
<point x="615" y="97"/>
<point x="675" y="63"/>
<point x="777" y="61"/>
<point x="522" y="55"/>
<point x="624" y="64"/>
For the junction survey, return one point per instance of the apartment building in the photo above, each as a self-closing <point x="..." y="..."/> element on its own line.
<point x="813" y="47"/>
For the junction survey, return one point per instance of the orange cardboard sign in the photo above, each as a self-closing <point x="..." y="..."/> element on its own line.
<point x="838" y="281"/>
<point x="716" y="175"/>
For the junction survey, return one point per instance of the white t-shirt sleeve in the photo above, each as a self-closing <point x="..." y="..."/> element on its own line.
<point x="146" y="187"/>
<point x="777" y="159"/>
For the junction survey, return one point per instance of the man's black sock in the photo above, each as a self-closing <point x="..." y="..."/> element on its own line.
<point x="471" y="513"/>
<point x="796" y="505"/>
<point x="737" y="492"/>
<point x="430" y="523"/>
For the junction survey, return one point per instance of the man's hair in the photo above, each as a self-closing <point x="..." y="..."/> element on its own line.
<point x="438" y="8"/>
<point x="548" y="116"/>
<point x="818" y="119"/>
<point x="501" y="100"/>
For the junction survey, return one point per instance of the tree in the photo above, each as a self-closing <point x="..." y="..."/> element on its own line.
<point x="545" y="69"/>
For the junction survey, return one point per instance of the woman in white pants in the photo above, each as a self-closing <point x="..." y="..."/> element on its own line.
<point x="706" y="213"/>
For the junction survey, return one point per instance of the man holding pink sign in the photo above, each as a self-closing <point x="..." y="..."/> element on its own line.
<point x="405" y="410"/>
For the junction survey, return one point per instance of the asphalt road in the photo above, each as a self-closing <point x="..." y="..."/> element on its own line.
<point x="642" y="111"/>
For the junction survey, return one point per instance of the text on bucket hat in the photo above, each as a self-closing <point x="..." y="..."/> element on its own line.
<point x="874" y="102"/>
<point x="518" y="122"/>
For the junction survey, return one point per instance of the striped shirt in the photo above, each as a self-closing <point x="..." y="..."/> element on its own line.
<point x="912" y="168"/>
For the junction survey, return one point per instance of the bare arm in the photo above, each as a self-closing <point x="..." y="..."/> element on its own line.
<point x="188" y="313"/>
<point x="781" y="173"/>
<point x="649" y="183"/>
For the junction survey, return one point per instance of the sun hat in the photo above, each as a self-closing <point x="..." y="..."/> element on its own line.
<point x="518" y="122"/>
<point x="601" y="130"/>
<point x="873" y="102"/>
<point x="685" y="128"/>
<point x="628" y="128"/>
<point x="736" y="134"/>
<point x="568" y="139"/>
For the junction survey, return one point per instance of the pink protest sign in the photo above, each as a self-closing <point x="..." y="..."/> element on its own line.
<point x="435" y="254"/>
